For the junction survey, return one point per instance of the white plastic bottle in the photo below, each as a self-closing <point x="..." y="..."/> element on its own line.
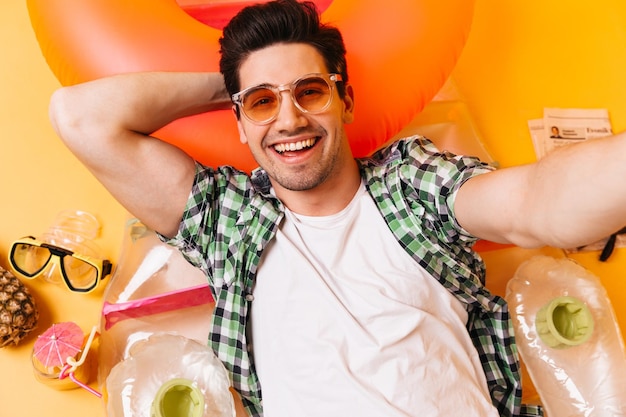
<point x="569" y="338"/>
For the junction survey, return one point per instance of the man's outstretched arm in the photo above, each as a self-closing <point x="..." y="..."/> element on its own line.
<point x="574" y="196"/>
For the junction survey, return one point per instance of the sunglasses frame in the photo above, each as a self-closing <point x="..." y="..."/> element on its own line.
<point x="103" y="267"/>
<point x="331" y="79"/>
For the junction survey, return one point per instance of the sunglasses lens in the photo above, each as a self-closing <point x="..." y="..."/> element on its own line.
<point x="313" y="94"/>
<point x="260" y="104"/>
<point x="29" y="260"/>
<point x="81" y="275"/>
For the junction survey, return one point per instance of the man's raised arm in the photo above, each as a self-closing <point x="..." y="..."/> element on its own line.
<point x="107" y="124"/>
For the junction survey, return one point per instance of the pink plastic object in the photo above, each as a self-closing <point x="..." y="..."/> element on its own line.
<point x="162" y="303"/>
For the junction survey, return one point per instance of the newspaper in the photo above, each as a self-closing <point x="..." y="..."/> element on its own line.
<point x="561" y="127"/>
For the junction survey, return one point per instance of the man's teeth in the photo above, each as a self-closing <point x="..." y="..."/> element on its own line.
<point x="294" y="146"/>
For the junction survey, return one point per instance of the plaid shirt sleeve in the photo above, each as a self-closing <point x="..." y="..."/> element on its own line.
<point x="212" y="211"/>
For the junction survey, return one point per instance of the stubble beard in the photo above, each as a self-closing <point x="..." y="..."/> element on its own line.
<point x="305" y="178"/>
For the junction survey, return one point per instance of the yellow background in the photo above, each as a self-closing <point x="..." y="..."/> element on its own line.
<point x="520" y="58"/>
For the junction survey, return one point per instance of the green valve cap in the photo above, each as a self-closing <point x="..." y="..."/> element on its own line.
<point x="178" y="398"/>
<point x="564" y="322"/>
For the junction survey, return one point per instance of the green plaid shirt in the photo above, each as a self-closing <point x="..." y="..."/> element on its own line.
<point x="231" y="217"/>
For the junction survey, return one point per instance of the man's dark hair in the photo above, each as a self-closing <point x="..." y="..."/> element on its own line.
<point x="280" y="21"/>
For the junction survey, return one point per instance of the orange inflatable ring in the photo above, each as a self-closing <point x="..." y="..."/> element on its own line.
<point x="399" y="56"/>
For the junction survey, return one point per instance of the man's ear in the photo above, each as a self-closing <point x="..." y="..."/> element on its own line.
<point x="242" y="134"/>
<point x="348" y="102"/>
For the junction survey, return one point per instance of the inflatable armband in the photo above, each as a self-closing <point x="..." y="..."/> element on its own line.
<point x="568" y="338"/>
<point x="153" y="290"/>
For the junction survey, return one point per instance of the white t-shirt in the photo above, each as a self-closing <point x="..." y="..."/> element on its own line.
<point x="346" y="323"/>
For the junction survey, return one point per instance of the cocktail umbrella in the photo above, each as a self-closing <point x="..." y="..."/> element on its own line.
<point x="55" y="345"/>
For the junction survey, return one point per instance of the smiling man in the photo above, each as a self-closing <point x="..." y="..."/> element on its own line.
<point x="300" y="141"/>
<point x="342" y="286"/>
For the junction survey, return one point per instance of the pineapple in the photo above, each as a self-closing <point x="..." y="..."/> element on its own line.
<point x="18" y="311"/>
